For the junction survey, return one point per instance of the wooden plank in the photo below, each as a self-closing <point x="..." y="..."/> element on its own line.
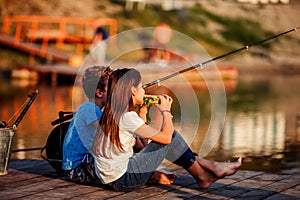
<point x="292" y="192"/>
<point x="23" y="181"/>
<point x="271" y="177"/>
<point x="64" y="191"/>
<point x="14" y="176"/>
<point x="287" y="188"/>
<point x="99" y="195"/>
<point x="281" y="196"/>
<point x="34" y="49"/>
<point x="35" y="179"/>
<point x="180" y="193"/>
<point x="228" y="191"/>
<point x="34" y="188"/>
<point x="264" y="185"/>
<point x="253" y="184"/>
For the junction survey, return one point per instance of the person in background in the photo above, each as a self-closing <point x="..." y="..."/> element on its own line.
<point x="98" y="47"/>
<point x="116" y="164"/>
<point x="162" y="35"/>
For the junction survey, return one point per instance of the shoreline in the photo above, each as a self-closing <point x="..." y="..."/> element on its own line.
<point x="274" y="65"/>
<point x="244" y="63"/>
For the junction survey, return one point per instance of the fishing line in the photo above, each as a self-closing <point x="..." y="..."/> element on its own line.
<point x="25" y="106"/>
<point x="31" y="97"/>
<point x="26" y="149"/>
<point x="246" y="47"/>
<point x="18" y="111"/>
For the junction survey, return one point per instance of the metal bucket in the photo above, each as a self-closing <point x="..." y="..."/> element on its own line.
<point x="6" y="144"/>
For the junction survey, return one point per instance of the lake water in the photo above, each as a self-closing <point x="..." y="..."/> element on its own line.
<point x="261" y="121"/>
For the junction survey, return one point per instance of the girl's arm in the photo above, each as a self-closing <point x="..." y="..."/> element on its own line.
<point x="164" y="135"/>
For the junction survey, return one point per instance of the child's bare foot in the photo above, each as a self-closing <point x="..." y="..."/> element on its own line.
<point x="207" y="179"/>
<point x="220" y="169"/>
<point x="204" y="178"/>
<point x="162" y="178"/>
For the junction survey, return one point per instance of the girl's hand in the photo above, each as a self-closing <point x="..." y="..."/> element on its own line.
<point x="165" y="102"/>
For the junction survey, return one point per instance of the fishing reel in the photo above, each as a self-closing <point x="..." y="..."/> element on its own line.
<point x="3" y="124"/>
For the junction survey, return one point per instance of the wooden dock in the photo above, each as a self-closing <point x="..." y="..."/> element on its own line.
<point x="33" y="34"/>
<point x="35" y="179"/>
<point x="35" y="49"/>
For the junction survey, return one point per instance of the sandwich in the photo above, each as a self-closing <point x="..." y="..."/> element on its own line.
<point x="151" y="99"/>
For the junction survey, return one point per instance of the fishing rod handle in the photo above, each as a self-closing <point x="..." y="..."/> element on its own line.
<point x="31" y="97"/>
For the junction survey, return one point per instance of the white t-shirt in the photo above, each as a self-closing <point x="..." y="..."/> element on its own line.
<point x="110" y="169"/>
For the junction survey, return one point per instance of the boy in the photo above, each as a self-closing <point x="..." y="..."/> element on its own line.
<point x="80" y="135"/>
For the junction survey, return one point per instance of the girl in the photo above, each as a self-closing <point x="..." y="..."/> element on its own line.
<point x="117" y="166"/>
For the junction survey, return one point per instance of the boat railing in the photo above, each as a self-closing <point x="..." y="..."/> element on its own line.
<point x="60" y="30"/>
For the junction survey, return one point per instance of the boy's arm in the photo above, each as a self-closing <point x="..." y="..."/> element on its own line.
<point x="140" y="143"/>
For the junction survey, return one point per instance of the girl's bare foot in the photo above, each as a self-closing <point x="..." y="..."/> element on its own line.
<point x="204" y="178"/>
<point x="207" y="179"/>
<point x="220" y="169"/>
<point x="162" y="178"/>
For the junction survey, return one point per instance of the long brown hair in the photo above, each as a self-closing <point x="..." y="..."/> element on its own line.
<point x="119" y="100"/>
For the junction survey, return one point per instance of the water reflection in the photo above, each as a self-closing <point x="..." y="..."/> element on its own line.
<point x="260" y="125"/>
<point x="262" y="134"/>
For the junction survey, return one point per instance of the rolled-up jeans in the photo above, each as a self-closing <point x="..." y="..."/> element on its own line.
<point x="142" y="165"/>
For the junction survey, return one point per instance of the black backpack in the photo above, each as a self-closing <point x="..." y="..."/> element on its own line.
<point x="55" y="140"/>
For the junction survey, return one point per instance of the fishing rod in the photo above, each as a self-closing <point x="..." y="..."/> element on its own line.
<point x="31" y="97"/>
<point x="217" y="58"/>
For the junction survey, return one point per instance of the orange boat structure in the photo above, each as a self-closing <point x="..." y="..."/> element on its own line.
<point x="33" y="34"/>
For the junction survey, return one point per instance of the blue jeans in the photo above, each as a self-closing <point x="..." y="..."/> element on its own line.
<point x="142" y="165"/>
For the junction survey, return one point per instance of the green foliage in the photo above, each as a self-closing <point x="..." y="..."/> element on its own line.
<point x="239" y="30"/>
<point x="194" y="21"/>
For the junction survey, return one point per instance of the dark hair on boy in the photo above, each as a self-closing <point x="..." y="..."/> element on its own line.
<point x="93" y="78"/>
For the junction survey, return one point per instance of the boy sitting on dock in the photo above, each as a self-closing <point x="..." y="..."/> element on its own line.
<point x="79" y="137"/>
